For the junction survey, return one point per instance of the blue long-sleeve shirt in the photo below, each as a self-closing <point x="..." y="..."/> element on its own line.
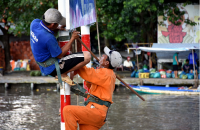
<point x="190" y="58"/>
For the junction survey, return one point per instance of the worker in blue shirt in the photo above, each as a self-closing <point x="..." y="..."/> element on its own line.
<point x="191" y="62"/>
<point x="175" y="64"/>
<point x="45" y="46"/>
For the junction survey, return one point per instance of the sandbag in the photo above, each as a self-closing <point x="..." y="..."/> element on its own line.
<point x="137" y="75"/>
<point x="162" y="72"/>
<point x="35" y="73"/>
<point x="145" y="67"/>
<point x="141" y="70"/>
<point x="179" y="72"/>
<point x="157" y="75"/>
<point x="151" y="75"/>
<point x="133" y="74"/>
<point x="183" y="72"/>
<point x="173" y="75"/>
<point x="12" y="64"/>
<point x="184" y="76"/>
<point x="16" y="69"/>
<point x="190" y="76"/>
<point x="146" y="71"/>
<point x="169" y="71"/>
<point x="180" y="76"/>
<point x="168" y="75"/>
<point x="152" y="70"/>
<point x="163" y="76"/>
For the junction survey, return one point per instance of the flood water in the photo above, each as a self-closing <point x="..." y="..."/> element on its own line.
<point x="23" y="109"/>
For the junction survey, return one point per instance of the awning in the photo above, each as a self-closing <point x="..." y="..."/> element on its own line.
<point x="149" y="49"/>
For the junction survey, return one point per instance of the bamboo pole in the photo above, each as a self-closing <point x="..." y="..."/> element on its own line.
<point x="137" y="64"/>
<point x="97" y="30"/>
<point x="116" y="75"/>
<point x="150" y="61"/>
<point x="195" y="76"/>
<point x="138" y="68"/>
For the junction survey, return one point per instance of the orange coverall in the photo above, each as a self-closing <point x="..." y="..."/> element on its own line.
<point x="92" y="116"/>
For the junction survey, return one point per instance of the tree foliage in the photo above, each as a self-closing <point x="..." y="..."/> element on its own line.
<point x="128" y="19"/>
<point x="18" y="14"/>
<point x="173" y="13"/>
<point x="135" y="19"/>
<point x="118" y="19"/>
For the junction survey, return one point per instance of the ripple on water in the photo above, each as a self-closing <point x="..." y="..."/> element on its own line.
<point x="39" y="110"/>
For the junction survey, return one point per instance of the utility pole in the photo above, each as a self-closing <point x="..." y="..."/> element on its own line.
<point x="63" y="6"/>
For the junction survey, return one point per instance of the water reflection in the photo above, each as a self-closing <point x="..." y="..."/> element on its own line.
<point x="22" y="109"/>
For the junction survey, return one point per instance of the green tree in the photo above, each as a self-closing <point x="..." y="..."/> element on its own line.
<point x="135" y="19"/>
<point x="17" y="16"/>
<point x="173" y="12"/>
<point x="118" y="19"/>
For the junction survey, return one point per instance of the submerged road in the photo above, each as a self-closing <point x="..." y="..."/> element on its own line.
<point x="21" y="108"/>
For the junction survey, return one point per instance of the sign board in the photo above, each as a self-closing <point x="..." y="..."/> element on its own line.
<point x="82" y="12"/>
<point x="169" y="33"/>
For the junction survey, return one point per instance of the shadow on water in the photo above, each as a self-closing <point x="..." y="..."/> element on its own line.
<point x="23" y="109"/>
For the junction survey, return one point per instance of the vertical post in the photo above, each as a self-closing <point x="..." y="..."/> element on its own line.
<point x="137" y="63"/>
<point x="63" y="7"/>
<point x="195" y="75"/>
<point x="150" y="61"/>
<point x="6" y="86"/>
<point x="97" y="29"/>
<point x="63" y="35"/>
<point x="85" y="32"/>
<point x="32" y="86"/>
<point x="193" y="64"/>
<point x="64" y="101"/>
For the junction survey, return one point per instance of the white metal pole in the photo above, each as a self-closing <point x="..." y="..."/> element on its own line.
<point x="63" y="7"/>
<point x="85" y="32"/>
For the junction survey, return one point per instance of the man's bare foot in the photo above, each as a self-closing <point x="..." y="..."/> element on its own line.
<point x="63" y="75"/>
<point x="59" y="112"/>
<point x="72" y="75"/>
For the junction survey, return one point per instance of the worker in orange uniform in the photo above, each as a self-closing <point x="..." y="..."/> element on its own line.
<point x="102" y="84"/>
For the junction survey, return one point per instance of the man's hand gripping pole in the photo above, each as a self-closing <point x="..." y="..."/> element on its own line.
<point x="116" y="75"/>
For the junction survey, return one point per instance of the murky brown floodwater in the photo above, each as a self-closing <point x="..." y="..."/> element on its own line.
<point x="21" y="109"/>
